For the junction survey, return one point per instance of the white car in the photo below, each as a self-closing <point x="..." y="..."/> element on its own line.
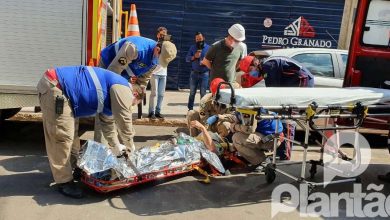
<point x="327" y="65"/>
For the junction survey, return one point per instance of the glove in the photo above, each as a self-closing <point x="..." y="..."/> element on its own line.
<point x="211" y="120"/>
<point x="119" y="150"/>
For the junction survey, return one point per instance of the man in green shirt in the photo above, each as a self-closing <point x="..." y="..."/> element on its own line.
<point x="223" y="55"/>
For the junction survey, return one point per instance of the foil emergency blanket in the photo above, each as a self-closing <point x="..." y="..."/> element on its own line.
<point x="180" y="151"/>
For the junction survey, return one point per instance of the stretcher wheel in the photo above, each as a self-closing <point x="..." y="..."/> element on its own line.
<point x="270" y="174"/>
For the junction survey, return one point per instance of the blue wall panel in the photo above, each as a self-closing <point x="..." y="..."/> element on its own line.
<point x="214" y="17"/>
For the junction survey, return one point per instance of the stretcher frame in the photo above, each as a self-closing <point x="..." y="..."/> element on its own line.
<point x="104" y="186"/>
<point x="305" y="117"/>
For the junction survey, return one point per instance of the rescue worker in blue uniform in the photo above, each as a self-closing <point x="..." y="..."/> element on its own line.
<point x="68" y="93"/>
<point x="252" y="141"/>
<point x="278" y="71"/>
<point x="136" y="58"/>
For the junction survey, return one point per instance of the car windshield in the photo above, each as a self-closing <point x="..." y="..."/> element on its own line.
<point x="319" y="64"/>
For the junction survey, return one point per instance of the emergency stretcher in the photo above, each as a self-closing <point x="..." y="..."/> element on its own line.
<point x="305" y="106"/>
<point x="105" y="172"/>
<point x="105" y="186"/>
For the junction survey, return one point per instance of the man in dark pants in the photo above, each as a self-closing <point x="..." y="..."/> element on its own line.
<point x="199" y="73"/>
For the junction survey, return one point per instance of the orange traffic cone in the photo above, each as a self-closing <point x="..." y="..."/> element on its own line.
<point x="132" y="27"/>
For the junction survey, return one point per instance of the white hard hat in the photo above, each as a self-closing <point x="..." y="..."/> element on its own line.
<point x="237" y="31"/>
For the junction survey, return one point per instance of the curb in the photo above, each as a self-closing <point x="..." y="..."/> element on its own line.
<point x="37" y="117"/>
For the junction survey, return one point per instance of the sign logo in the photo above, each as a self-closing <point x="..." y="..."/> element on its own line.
<point x="297" y="34"/>
<point x="301" y="28"/>
<point x="267" y="22"/>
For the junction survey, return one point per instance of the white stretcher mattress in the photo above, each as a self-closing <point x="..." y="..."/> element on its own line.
<point x="276" y="96"/>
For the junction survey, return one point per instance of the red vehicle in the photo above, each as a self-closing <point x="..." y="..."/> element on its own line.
<point x="369" y="54"/>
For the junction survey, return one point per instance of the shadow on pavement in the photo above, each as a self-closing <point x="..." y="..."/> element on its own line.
<point x="181" y="104"/>
<point x="27" y="174"/>
<point x="190" y="195"/>
<point x="30" y="176"/>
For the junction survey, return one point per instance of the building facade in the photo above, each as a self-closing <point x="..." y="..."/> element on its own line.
<point x="268" y="24"/>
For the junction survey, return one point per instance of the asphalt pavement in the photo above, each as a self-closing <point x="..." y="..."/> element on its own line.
<point x="26" y="191"/>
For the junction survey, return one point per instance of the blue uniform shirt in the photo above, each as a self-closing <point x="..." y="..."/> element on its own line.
<point x="275" y="69"/>
<point x="196" y="66"/>
<point x="79" y="85"/>
<point x="265" y="126"/>
<point x="145" y="60"/>
<point x="268" y="126"/>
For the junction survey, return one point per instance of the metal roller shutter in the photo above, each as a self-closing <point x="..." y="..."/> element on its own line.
<point x="36" y="35"/>
<point x="214" y="17"/>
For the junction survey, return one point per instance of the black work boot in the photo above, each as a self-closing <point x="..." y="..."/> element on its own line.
<point x="253" y="168"/>
<point x="77" y="173"/>
<point x="70" y="189"/>
<point x="159" y="116"/>
<point x="152" y="116"/>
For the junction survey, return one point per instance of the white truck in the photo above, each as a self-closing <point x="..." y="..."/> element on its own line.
<point x="41" y="34"/>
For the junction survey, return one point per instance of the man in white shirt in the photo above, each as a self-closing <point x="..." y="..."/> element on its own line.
<point x="158" y="82"/>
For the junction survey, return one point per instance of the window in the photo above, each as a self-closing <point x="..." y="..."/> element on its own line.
<point x="377" y="27"/>
<point x="344" y="58"/>
<point x="319" y="64"/>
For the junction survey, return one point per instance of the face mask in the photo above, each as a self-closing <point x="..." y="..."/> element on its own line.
<point x="254" y="73"/>
<point x="234" y="45"/>
<point x="200" y="45"/>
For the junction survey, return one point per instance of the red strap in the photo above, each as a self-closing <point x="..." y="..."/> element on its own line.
<point x="52" y="76"/>
<point x="248" y="81"/>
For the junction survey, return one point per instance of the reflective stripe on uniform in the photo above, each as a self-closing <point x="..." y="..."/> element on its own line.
<point x="129" y="72"/>
<point x="99" y="90"/>
<point x="116" y="47"/>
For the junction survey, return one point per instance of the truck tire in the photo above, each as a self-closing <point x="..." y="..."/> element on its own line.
<point x="8" y="113"/>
